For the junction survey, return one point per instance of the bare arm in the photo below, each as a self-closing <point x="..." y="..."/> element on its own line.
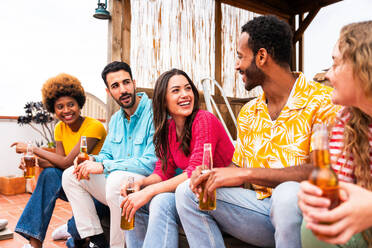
<point x="233" y="176"/>
<point x="57" y="159"/>
<point x="273" y="177"/>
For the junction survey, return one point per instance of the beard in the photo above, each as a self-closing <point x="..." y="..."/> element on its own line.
<point x="254" y="76"/>
<point x="131" y="103"/>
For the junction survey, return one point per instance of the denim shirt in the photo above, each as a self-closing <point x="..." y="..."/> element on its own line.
<point x="129" y="144"/>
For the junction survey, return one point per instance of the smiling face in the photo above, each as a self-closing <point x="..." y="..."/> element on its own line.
<point x="347" y="88"/>
<point x="179" y="97"/>
<point x="122" y="88"/>
<point x="67" y="109"/>
<point x="245" y="64"/>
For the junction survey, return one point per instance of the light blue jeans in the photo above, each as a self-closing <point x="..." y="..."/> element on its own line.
<point x="156" y="224"/>
<point x="274" y="221"/>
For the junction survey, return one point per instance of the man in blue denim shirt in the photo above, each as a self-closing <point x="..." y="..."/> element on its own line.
<point x="128" y="151"/>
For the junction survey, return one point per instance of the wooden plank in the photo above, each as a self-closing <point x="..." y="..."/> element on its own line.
<point x="126" y="29"/>
<point x="218" y="45"/>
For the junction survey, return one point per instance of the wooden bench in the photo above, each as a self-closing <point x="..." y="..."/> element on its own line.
<point x="230" y="241"/>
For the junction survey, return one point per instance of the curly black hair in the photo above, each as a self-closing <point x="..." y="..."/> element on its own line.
<point x="59" y="86"/>
<point x="114" y="67"/>
<point x="273" y="34"/>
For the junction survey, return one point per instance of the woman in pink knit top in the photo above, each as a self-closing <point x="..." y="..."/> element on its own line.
<point x="182" y="136"/>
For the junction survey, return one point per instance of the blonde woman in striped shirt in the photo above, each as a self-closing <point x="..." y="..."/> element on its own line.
<point x="350" y="149"/>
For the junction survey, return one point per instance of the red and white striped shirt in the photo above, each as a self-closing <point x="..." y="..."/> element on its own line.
<point x="344" y="168"/>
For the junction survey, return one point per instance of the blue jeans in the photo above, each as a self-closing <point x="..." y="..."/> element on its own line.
<point x="36" y="216"/>
<point x="156" y="224"/>
<point x="274" y="221"/>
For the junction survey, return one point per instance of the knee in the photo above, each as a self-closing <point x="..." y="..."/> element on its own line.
<point x="284" y="200"/>
<point x="163" y="203"/>
<point x="113" y="185"/>
<point x="68" y="178"/>
<point x="183" y="194"/>
<point x="50" y="174"/>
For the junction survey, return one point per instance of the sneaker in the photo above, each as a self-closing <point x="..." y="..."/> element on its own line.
<point x="61" y="233"/>
<point x="27" y="246"/>
<point x="91" y="245"/>
<point x="3" y="223"/>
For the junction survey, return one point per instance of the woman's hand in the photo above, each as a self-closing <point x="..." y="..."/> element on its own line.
<point x="310" y="200"/>
<point x="134" y="201"/>
<point x="21" y="147"/>
<point x="350" y="217"/>
<point x="136" y="187"/>
<point x="87" y="167"/>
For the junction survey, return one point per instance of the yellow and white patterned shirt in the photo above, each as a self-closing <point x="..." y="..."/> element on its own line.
<point x="264" y="143"/>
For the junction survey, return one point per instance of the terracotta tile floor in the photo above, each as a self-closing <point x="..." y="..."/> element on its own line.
<point x="11" y="208"/>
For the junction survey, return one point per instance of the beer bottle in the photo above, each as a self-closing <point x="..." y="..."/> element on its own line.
<point x="30" y="160"/>
<point x="323" y="176"/>
<point x="124" y="223"/>
<point x="207" y="165"/>
<point x="83" y="155"/>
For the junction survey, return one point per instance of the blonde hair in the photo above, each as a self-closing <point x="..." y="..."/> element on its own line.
<point x="355" y="45"/>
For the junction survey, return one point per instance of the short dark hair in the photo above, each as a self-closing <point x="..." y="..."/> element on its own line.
<point x="273" y="34"/>
<point x="62" y="85"/>
<point x="114" y="67"/>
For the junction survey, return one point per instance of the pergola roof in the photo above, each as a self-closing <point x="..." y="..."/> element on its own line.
<point x="282" y="8"/>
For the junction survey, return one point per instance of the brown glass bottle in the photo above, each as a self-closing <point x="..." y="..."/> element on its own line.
<point x="323" y="176"/>
<point x="83" y="155"/>
<point x="124" y="223"/>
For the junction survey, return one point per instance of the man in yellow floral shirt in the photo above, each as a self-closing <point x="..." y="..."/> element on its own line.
<point x="274" y="134"/>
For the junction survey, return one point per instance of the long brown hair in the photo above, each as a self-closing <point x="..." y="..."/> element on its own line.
<point x="159" y="104"/>
<point x="355" y="45"/>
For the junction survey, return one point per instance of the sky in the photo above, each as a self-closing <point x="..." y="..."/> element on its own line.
<point x="42" y="38"/>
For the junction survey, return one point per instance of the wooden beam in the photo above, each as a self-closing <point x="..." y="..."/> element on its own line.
<point x="279" y="8"/>
<point x="306" y="22"/>
<point x="218" y="45"/>
<point x="126" y="28"/>
<point x="299" y="7"/>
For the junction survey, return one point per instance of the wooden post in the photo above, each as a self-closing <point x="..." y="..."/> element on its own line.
<point x="301" y="47"/>
<point x="292" y="23"/>
<point x="114" y="46"/>
<point x="125" y="35"/>
<point x="218" y="45"/>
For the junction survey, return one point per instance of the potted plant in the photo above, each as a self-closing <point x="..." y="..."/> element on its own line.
<point x="42" y="121"/>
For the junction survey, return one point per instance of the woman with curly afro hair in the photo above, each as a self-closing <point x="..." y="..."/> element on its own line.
<point x="64" y="96"/>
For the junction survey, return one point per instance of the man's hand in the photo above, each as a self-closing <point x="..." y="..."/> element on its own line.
<point x="196" y="180"/>
<point x="134" y="201"/>
<point x="87" y="167"/>
<point x="224" y="177"/>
